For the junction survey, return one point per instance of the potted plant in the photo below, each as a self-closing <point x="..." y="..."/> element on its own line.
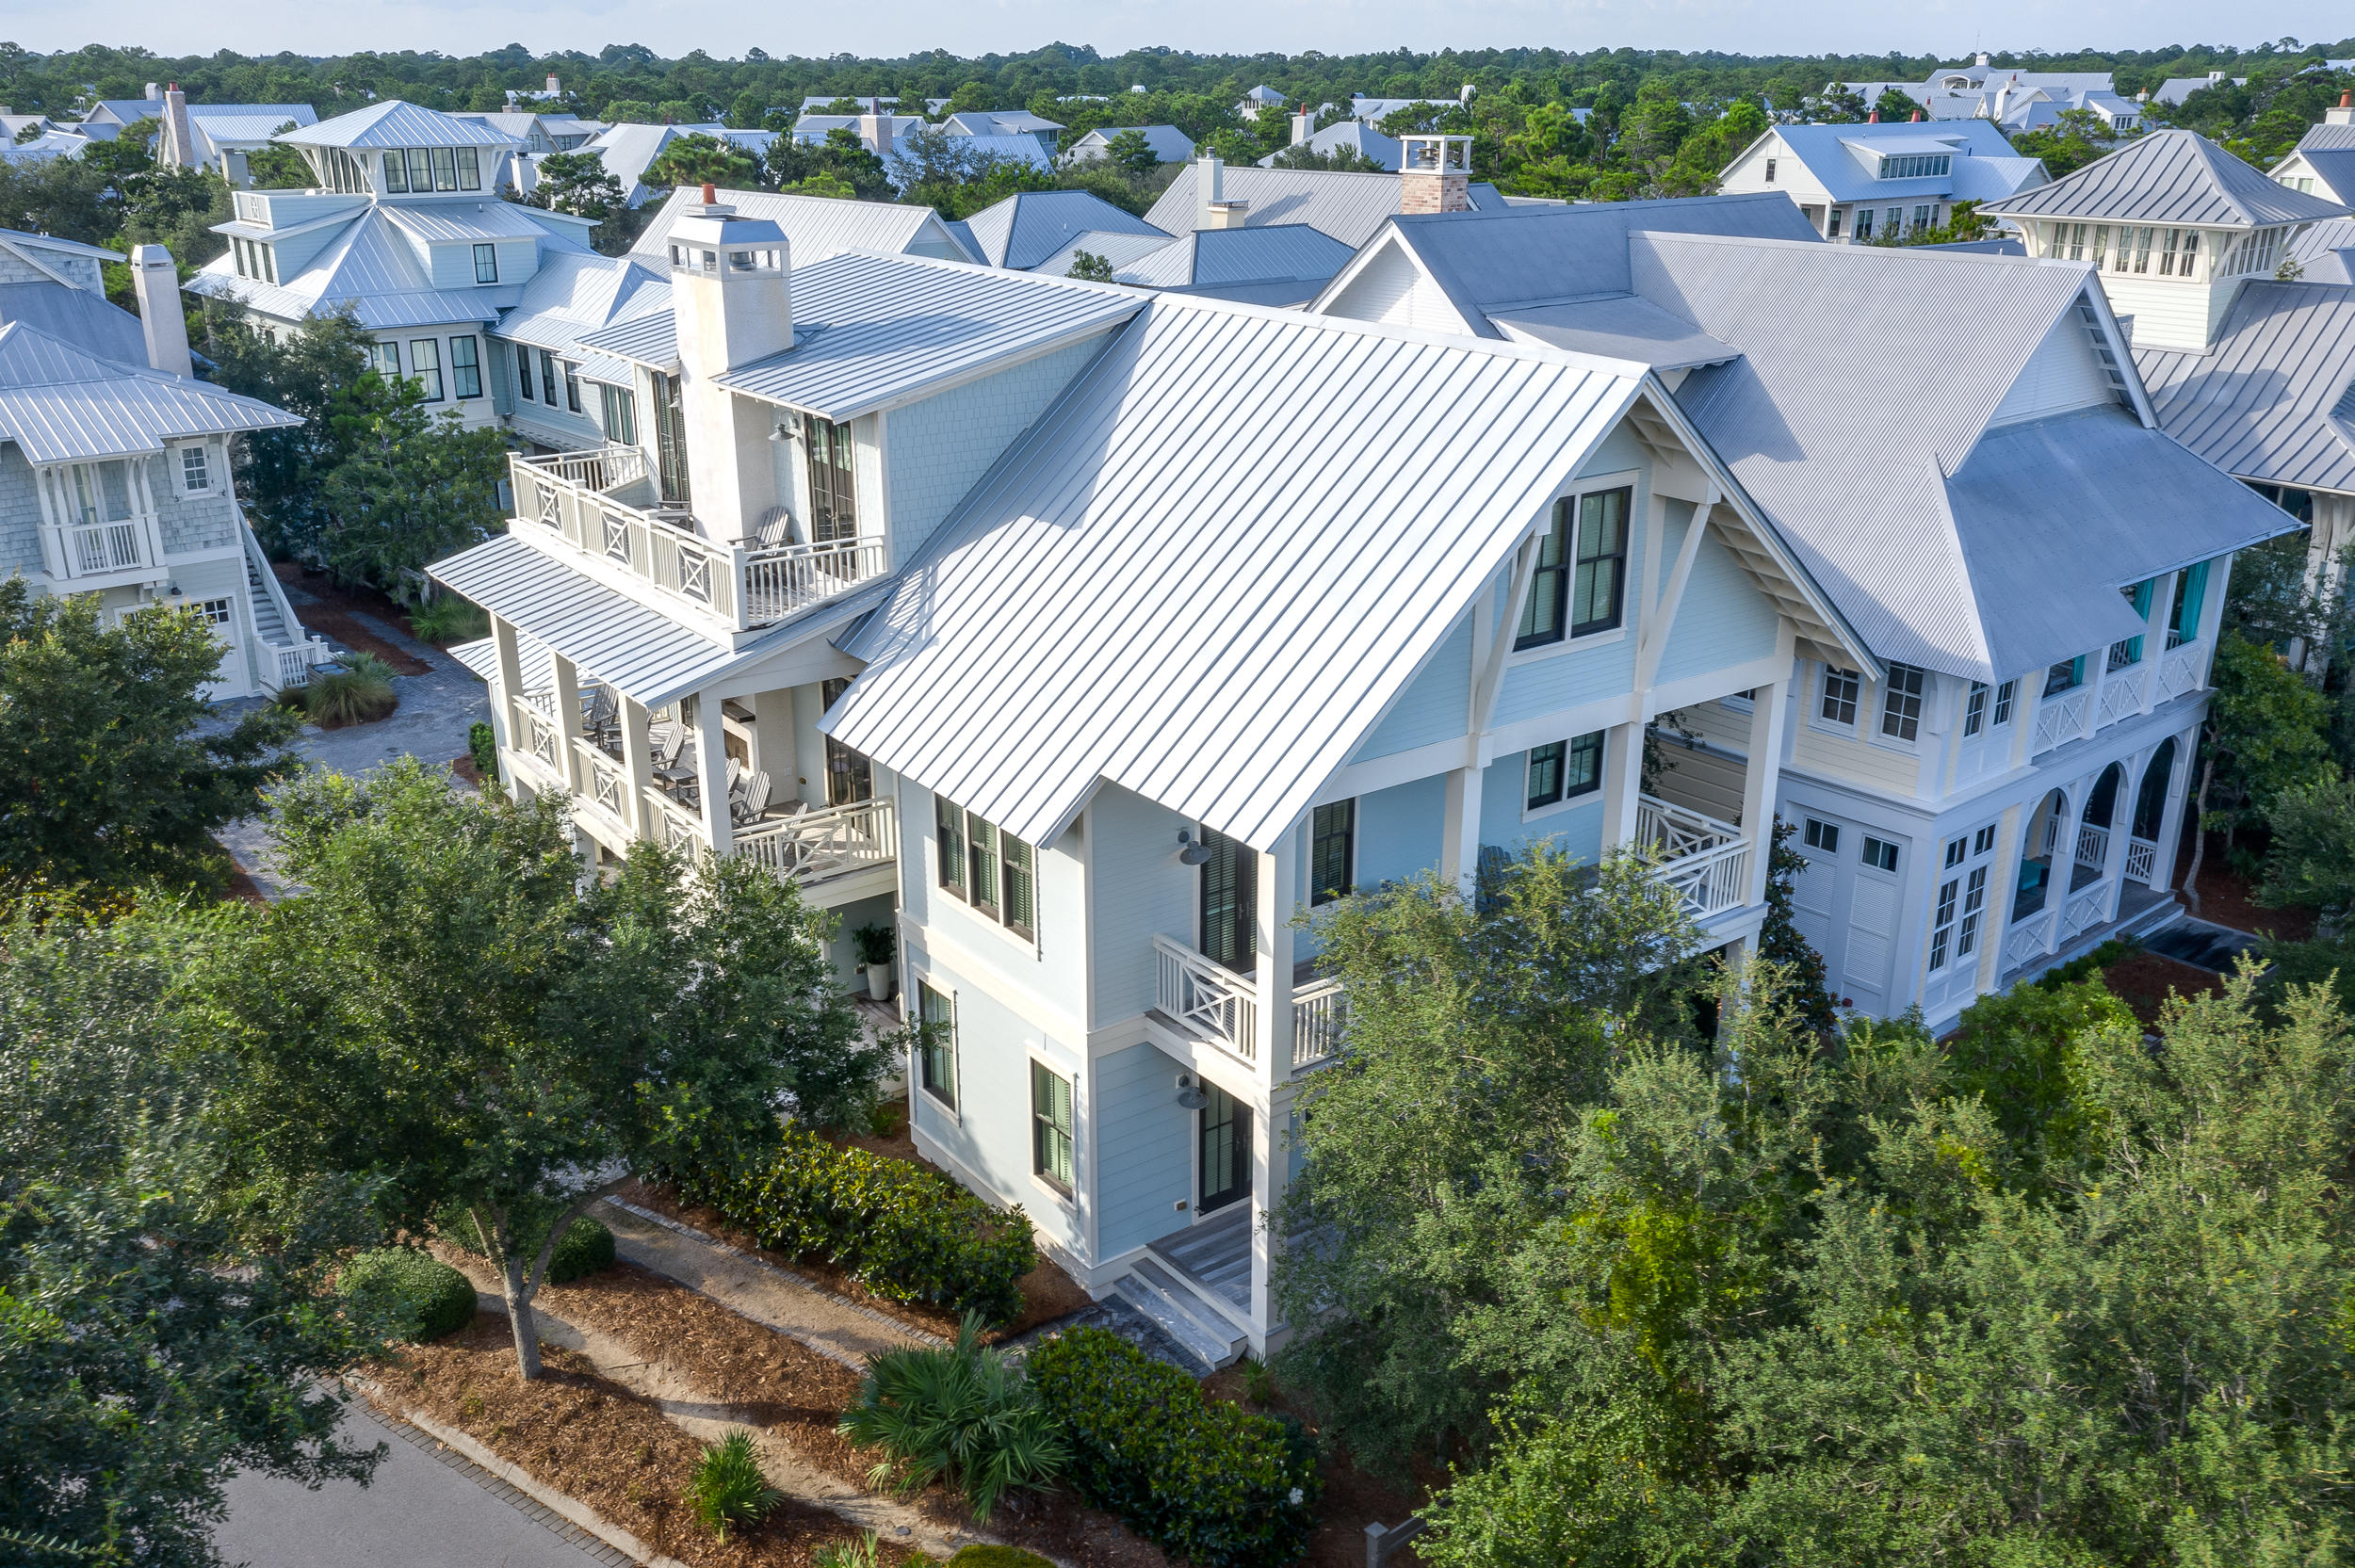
<point x="875" y="952"/>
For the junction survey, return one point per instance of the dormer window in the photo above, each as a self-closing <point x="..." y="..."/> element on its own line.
<point x="1917" y="165"/>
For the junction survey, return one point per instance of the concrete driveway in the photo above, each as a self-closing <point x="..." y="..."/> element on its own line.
<point x="425" y="1508"/>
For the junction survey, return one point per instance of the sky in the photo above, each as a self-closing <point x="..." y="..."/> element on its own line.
<point x="728" y="27"/>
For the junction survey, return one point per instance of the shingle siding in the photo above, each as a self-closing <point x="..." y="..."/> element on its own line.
<point x="20" y="514"/>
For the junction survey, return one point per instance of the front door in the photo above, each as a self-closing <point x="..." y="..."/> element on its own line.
<point x="1225" y="1152"/>
<point x="1231" y="902"/>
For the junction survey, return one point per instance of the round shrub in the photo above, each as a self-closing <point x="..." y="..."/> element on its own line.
<point x="586" y="1248"/>
<point x="997" y="1556"/>
<point x="422" y="1296"/>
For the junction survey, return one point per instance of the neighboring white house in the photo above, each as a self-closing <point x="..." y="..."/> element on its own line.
<point x="1284" y="263"/>
<point x="2323" y="162"/>
<point x="628" y="151"/>
<point x="1031" y="226"/>
<point x="1350" y="207"/>
<point x="1354" y="136"/>
<point x="117" y="465"/>
<point x="2037" y="568"/>
<point x="1169" y="144"/>
<point x="2013" y="98"/>
<point x="1876" y="182"/>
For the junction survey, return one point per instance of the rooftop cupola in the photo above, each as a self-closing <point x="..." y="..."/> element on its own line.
<point x="732" y="300"/>
<point x="1435" y="173"/>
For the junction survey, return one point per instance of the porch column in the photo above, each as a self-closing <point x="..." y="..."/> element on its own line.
<point x="773" y="741"/>
<point x="1271" y="1174"/>
<point x="711" y="771"/>
<point x="1995" y="935"/>
<point x="1460" y="834"/>
<point x="568" y="720"/>
<point x="1278" y="871"/>
<point x="2065" y="863"/>
<point x="638" y="761"/>
<point x="807" y="706"/>
<point x="511" y="681"/>
<point x="1769" y="707"/>
<point x="2179" y="775"/>
<point x="1622" y="782"/>
<point x="2211" y="612"/>
<point x="2155" y="638"/>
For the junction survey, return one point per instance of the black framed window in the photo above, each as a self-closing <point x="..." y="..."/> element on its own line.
<point x="1018" y="905"/>
<point x="850" y="776"/>
<point x="994" y="871"/>
<point x="1840" y="694"/>
<point x="936" y="1056"/>
<point x="981" y="865"/>
<point x="444" y="169"/>
<point x="620" y="408"/>
<point x="469" y="169"/>
<point x="832" y="502"/>
<point x="486" y="264"/>
<point x="1231" y="902"/>
<point x="548" y="376"/>
<point x="465" y="366"/>
<point x="1565" y="770"/>
<point x="425" y="366"/>
<point x="1050" y="1127"/>
<point x="1225" y="1151"/>
<point x="396" y="173"/>
<point x="1879" y="853"/>
<point x="572" y="386"/>
<point x="1541" y="617"/>
<point x="1545" y="772"/>
<point x="1599" y="584"/>
<point x="523" y="374"/>
<point x="1332" y="851"/>
<point x="1823" y="835"/>
<point x="420" y="168"/>
<point x="1901" y="702"/>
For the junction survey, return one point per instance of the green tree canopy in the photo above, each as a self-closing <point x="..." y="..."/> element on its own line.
<point x="695" y="158"/>
<point x="413" y="486"/>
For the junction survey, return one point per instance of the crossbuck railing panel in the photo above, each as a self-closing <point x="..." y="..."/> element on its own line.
<point x="2178" y="671"/>
<point x="1213" y="1002"/>
<point x="2086" y="910"/>
<point x="2026" y="940"/>
<point x="2062" y="719"/>
<point x="821" y="844"/>
<point x="2141" y="860"/>
<point x="2121" y="693"/>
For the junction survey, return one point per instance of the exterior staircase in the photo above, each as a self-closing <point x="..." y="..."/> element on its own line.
<point x="1203" y="1331"/>
<point x="267" y="620"/>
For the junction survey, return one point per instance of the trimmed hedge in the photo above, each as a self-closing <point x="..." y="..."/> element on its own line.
<point x="586" y="1248"/>
<point x="905" y="1233"/>
<point x="1205" y="1479"/>
<point x="425" y="1297"/>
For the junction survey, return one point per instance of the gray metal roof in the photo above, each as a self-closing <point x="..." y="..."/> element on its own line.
<point x="2327" y="136"/>
<point x="2335" y="166"/>
<point x="78" y="317"/>
<point x="1844" y="159"/>
<point x="2170" y="176"/>
<point x="1356" y="135"/>
<point x="1161" y="586"/>
<point x="2324" y="253"/>
<point x="396" y="124"/>
<point x="1123" y="251"/>
<point x="2267" y="400"/>
<point x="18" y="237"/>
<point x="1617" y="326"/>
<point x="1031" y="226"/>
<point x="375" y="266"/>
<point x="871" y="332"/>
<point x="1169" y="144"/>
<point x="463" y="223"/>
<point x="650" y="340"/>
<point x="815" y="227"/>
<point x="1350" y="207"/>
<point x="575" y="294"/>
<point x="59" y="403"/>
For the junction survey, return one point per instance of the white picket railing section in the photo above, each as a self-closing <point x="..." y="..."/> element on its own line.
<point x="1319" y="1010"/>
<point x="2062" y="718"/>
<point x="815" y="845"/>
<point x="571" y="494"/>
<point x="1706" y="861"/>
<point x="1206" y="998"/>
<point x="92" y="548"/>
<point x="2141" y="860"/>
<point x="2093" y="845"/>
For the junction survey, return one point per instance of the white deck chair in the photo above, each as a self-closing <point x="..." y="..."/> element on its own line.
<point x="755" y="802"/>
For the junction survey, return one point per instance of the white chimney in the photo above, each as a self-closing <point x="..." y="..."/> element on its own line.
<point x="153" y="93"/>
<point x="178" y="148"/>
<point x="1211" y="189"/>
<point x="1981" y="61"/>
<point x="878" y="130"/>
<point x="554" y="91"/>
<point x="156" y="282"/>
<point x="1304" y="125"/>
<point x="733" y="300"/>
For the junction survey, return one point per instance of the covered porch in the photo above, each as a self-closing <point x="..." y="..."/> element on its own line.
<point x="2094" y="861"/>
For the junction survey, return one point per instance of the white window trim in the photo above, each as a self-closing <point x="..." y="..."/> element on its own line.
<point x="1878" y="692"/>
<point x="1865" y="689"/>
<point x="956" y="1060"/>
<point x="1067" y="1201"/>
<point x="1638" y="535"/>
<point x="179" y="460"/>
<point x="1035" y="944"/>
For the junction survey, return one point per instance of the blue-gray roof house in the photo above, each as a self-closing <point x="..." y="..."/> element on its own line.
<point x="1877" y="182"/>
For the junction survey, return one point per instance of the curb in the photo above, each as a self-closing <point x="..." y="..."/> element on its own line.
<point x="570" y="1509"/>
<point x="881" y="1319"/>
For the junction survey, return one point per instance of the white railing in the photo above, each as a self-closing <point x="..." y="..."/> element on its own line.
<point x="821" y="844"/>
<point x="1210" y="1001"/>
<point x="1706" y="861"/>
<point x="671" y="825"/>
<point x="2086" y="910"/>
<point x="2093" y="845"/>
<point x="93" y="548"/>
<point x="2142" y="858"/>
<point x="1672" y="831"/>
<point x="1319" y="1010"/>
<point x="539" y="736"/>
<point x="572" y="496"/>
<point x="607" y="781"/>
<point x="2178" y="671"/>
<point x="2059" y="719"/>
<point x="2121" y="693"/>
<point x="2026" y="944"/>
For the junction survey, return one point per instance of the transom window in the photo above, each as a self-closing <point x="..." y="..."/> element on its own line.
<point x="1841" y="688"/>
<point x="1901" y="702"/>
<point x="1332" y="851"/>
<point x="214" y="612"/>
<point x="992" y="871"/>
<point x="1879" y="853"/>
<point x="937" y="1052"/>
<point x="1565" y="770"/>
<point x="1581" y="577"/>
<point x="1821" y="835"/>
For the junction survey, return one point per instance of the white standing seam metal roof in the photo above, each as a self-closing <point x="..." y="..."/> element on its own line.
<point x="1619" y="326"/>
<point x="1029" y="226"/>
<point x="2170" y="176"/>
<point x="1356" y="135"/>
<point x="650" y="340"/>
<point x="815" y="227"/>
<point x="461" y="222"/>
<point x="1350" y="207"/>
<point x="2273" y="399"/>
<point x="1162" y="586"/>
<point x="398" y="123"/>
<point x="60" y="404"/>
<point x="78" y="317"/>
<point x="2324" y="253"/>
<point x="872" y="331"/>
<point x="1122" y="249"/>
<point x="1169" y="144"/>
<point x="573" y="294"/>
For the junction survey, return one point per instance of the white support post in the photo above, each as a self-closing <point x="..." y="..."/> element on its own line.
<point x="1769" y="707"/>
<point x="2212" y="613"/>
<point x="637" y="758"/>
<point x="1459" y="833"/>
<point x="509" y="682"/>
<point x="2003" y="892"/>
<point x="2155" y="638"/>
<point x="1622" y="782"/>
<point x="2064" y="868"/>
<point x="2179" y="775"/>
<point x="1270" y="1172"/>
<point x="711" y="773"/>
<point x="1277" y="872"/>
<point x="568" y="720"/>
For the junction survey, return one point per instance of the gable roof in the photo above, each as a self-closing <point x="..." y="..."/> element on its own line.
<point x="2171" y="176"/>
<point x="1161" y="586"/>
<point x="374" y="267"/>
<point x="396" y="124"/>
<point x="2324" y="253"/>
<point x="2273" y="399"/>
<point x="2335" y="166"/>
<point x="78" y="317"/>
<point x="815" y="227"/>
<point x="1355" y="134"/>
<point x="59" y="403"/>
<point x="573" y="294"/>
<point x="1350" y="207"/>
<point x="1028" y="227"/>
<point x="1279" y="264"/>
<point x="1169" y="144"/>
<point x="1843" y="159"/>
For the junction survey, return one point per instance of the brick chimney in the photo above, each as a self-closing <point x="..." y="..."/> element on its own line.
<point x="1434" y="175"/>
<point x="156" y="282"/>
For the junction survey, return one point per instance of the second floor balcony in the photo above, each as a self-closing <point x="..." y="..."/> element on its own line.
<point x="602" y="505"/>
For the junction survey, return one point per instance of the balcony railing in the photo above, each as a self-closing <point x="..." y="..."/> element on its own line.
<point x="1707" y="862"/>
<point x="2062" y="718"/>
<point x="2141" y="860"/>
<point x="821" y="844"/>
<point x="2179" y="670"/>
<point x="1208" y="999"/>
<point x="602" y="503"/>
<point x="1319" y="1010"/>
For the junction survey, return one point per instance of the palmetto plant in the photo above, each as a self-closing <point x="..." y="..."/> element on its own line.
<point x="727" y="1487"/>
<point x="964" y="1415"/>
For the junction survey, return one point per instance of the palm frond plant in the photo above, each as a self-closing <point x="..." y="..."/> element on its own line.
<point x="964" y="1415"/>
<point x="866" y="1552"/>
<point x="356" y="691"/>
<point x="728" y="1488"/>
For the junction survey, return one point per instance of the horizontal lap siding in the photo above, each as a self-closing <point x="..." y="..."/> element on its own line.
<point x="1435" y="706"/>
<point x="1144" y="1163"/>
<point x="1140" y="889"/>
<point x="1722" y="620"/>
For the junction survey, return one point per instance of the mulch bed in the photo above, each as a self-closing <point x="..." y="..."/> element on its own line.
<point x="335" y="611"/>
<point x="2145" y="981"/>
<point x="2226" y="896"/>
<point x="596" y="1441"/>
